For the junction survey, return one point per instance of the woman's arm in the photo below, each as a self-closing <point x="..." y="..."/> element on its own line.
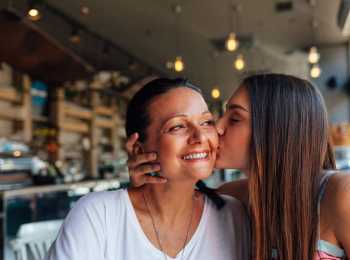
<point x="237" y="189"/>
<point x="339" y="204"/>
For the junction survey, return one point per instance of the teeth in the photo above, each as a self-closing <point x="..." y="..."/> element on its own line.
<point x="196" y="156"/>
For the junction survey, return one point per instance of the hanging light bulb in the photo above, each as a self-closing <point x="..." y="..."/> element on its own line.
<point x="215" y="92"/>
<point x="239" y="62"/>
<point x="314" y="55"/>
<point x="75" y="37"/>
<point x="33" y="14"/>
<point x="232" y="42"/>
<point x="315" y="71"/>
<point x="84" y="10"/>
<point x="179" y="64"/>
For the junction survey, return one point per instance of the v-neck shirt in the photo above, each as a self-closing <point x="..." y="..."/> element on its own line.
<point x="104" y="226"/>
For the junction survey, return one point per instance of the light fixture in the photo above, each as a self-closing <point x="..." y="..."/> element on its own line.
<point x="179" y="64"/>
<point x="315" y="71"/>
<point x="74" y="36"/>
<point x="84" y="10"/>
<point x="215" y="92"/>
<point x="239" y="63"/>
<point x="232" y="42"/>
<point x="314" y="55"/>
<point x="33" y="13"/>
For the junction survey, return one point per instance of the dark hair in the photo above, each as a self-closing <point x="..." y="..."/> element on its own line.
<point x="289" y="149"/>
<point x="138" y="119"/>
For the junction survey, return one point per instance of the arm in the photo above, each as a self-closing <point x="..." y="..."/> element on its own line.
<point x="237" y="189"/>
<point x="340" y="202"/>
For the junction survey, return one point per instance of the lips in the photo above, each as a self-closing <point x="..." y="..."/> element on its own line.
<point x="198" y="155"/>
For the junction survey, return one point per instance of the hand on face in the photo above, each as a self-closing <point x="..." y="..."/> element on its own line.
<point x="140" y="165"/>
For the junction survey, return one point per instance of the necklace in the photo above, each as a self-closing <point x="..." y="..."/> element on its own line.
<point x="156" y="231"/>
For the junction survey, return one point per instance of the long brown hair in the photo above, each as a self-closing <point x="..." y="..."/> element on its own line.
<point x="289" y="149"/>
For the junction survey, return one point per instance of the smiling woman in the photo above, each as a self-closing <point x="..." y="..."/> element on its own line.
<point x="168" y="221"/>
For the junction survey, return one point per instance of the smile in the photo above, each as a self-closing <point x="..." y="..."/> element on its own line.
<point x="196" y="156"/>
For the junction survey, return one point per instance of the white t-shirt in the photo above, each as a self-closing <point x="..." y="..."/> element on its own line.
<point x="104" y="226"/>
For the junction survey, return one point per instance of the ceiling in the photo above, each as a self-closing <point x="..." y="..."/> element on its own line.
<point x="147" y="29"/>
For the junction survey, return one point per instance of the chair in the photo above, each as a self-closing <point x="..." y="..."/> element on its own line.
<point x="34" y="239"/>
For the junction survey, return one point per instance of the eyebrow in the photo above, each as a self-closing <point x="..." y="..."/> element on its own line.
<point x="235" y="106"/>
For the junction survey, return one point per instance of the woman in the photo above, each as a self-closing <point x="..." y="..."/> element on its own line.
<point x="172" y="221"/>
<point x="275" y="129"/>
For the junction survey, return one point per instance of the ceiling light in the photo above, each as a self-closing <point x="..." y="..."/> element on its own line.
<point x="239" y="62"/>
<point x="232" y="42"/>
<point x="33" y="14"/>
<point x="75" y="37"/>
<point x="314" y="55"/>
<point x="315" y="71"/>
<point x="215" y="92"/>
<point x="84" y="10"/>
<point x="179" y="64"/>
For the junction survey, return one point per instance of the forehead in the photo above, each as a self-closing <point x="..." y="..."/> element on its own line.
<point x="177" y="101"/>
<point x="240" y="97"/>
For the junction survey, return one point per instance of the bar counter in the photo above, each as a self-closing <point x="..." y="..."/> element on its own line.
<point x="42" y="204"/>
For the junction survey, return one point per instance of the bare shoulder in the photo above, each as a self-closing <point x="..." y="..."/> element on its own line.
<point x="338" y="193"/>
<point x="237" y="189"/>
<point x="337" y="203"/>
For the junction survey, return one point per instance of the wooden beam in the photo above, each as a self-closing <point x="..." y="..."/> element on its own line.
<point x="9" y="94"/>
<point x="77" y="127"/>
<point x="77" y="112"/>
<point x="105" y="123"/>
<point x="104" y="111"/>
<point x="14" y="113"/>
<point x="27" y="109"/>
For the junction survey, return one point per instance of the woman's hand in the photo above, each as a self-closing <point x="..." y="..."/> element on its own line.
<point x="142" y="165"/>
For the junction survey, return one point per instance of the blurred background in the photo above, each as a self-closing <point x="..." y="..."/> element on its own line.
<point x="68" y="69"/>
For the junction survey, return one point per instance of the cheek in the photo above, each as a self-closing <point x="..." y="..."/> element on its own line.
<point x="169" y="149"/>
<point x="234" y="147"/>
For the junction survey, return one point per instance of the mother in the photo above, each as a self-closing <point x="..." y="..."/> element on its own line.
<point x="172" y="221"/>
<point x="275" y="130"/>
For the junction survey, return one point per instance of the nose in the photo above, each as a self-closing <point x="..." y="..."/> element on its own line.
<point x="220" y="126"/>
<point x="197" y="136"/>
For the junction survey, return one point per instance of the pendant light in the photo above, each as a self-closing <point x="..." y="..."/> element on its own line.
<point x="215" y="92"/>
<point x="232" y="42"/>
<point x="179" y="64"/>
<point x="239" y="62"/>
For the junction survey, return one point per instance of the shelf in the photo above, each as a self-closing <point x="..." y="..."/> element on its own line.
<point x="104" y="111"/>
<point x="76" y="111"/>
<point x="40" y="119"/>
<point x="105" y="123"/>
<point x="9" y="94"/>
<point x="13" y="113"/>
<point x="77" y="127"/>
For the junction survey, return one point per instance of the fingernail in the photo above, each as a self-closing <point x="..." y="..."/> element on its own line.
<point x="153" y="155"/>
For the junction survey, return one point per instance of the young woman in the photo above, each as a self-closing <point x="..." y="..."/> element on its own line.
<point x="275" y="129"/>
<point x="171" y="221"/>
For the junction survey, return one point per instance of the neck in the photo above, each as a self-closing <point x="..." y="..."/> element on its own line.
<point x="171" y="200"/>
